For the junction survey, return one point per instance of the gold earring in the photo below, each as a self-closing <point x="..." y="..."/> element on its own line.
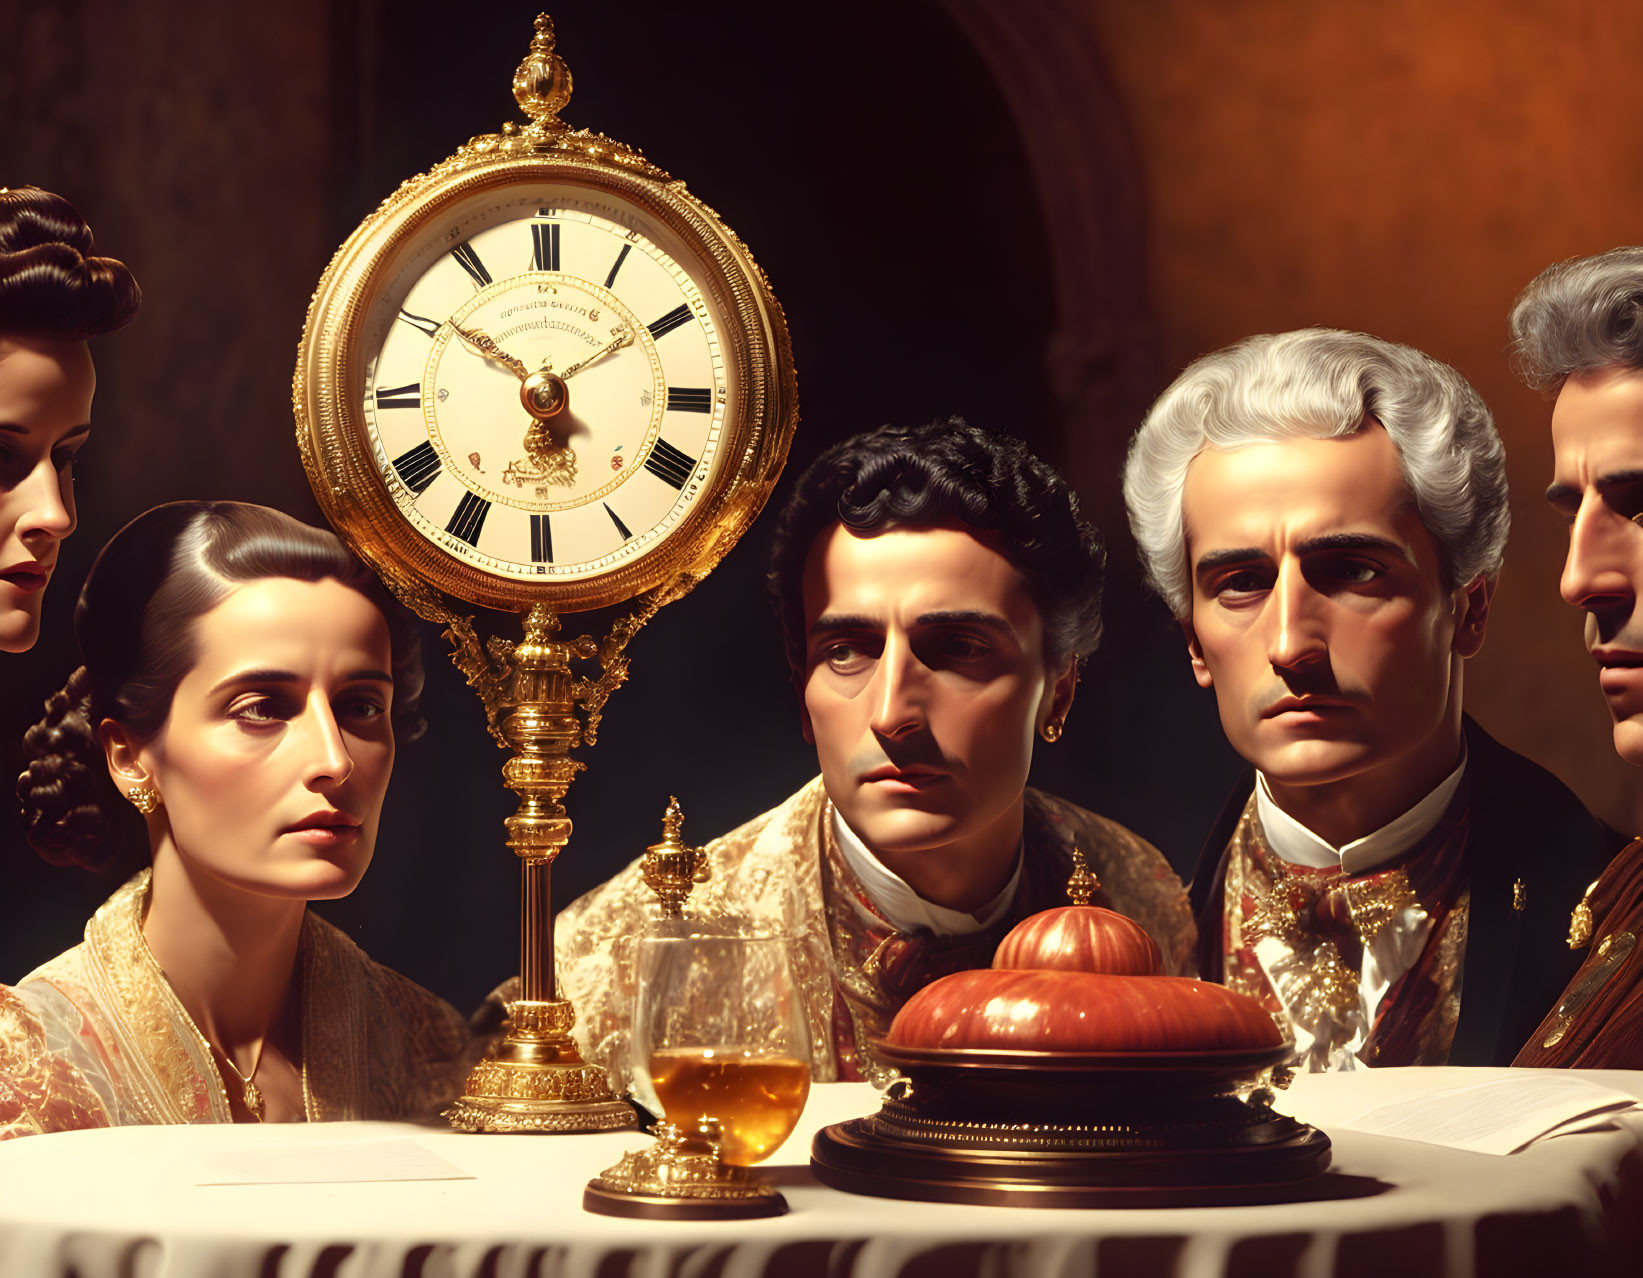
<point x="1051" y="731"/>
<point x="146" y="799"/>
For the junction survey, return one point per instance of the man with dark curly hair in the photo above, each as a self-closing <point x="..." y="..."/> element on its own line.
<point x="937" y="592"/>
<point x="1578" y="334"/>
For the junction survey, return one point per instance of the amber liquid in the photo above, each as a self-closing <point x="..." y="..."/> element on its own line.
<point x="757" y="1099"/>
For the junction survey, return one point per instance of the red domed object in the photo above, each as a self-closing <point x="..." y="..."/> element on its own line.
<point x="1070" y="1074"/>
<point x="1080" y="938"/>
<point x="1080" y="1012"/>
<point x="1081" y="980"/>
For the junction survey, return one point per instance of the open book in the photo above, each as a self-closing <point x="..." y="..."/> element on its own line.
<point x="1489" y="1111"/>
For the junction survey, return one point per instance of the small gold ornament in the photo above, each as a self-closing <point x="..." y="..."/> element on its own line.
<point x="1580" y="922"/>
<point x="250" y="1093"/>
<point x="1083" y="884"/>
<point x="542" y="84"/>
<point x="671" y="868"/>
<point x="1051" y="731"/>
<point x="146" y="799"/>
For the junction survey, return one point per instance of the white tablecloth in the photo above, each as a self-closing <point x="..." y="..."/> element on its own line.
<point x="129" y="1201"/>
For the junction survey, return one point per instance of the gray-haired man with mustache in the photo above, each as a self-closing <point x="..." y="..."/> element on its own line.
<point x="1326" y="514"/>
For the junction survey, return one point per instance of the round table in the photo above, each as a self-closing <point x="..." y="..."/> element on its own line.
<point x="130" y="1201"/>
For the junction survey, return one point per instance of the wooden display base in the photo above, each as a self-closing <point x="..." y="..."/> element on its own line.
<point x="860" y="1158"/>
<point x="1040" y="1129"/>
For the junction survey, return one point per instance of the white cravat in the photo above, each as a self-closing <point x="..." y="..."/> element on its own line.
<point x="1300" y="846"/>
<point x="904" y="908"/>
<point x="1397" y="946"/>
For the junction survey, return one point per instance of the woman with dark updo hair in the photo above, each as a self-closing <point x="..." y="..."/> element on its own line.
<point x="244" y="681"/>
<point x="53" y="296"/>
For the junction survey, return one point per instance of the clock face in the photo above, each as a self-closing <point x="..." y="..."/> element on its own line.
<point x="547" y="378"/>
<point x="546" y="382"/>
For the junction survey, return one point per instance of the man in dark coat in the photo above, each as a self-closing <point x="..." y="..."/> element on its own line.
<point x="1578" y="330"/>
<point x="1325" y="513"/>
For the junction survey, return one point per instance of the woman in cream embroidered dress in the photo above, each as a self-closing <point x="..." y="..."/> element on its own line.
<point x="243" y="684"/>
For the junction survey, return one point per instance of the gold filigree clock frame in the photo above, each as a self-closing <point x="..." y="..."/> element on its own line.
<point x="536" y="1080"/>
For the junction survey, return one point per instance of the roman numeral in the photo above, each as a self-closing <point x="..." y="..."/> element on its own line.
<point x="421" y="323"/>
<point x="620" y="258"/>
<point x="469" y="261"/>
<point x="419" y="467"/>
<point x="669" y="465"/>
<point x="406" y="396"/>
<point x="545" y="245"/>
<point x="689" y="399"/>
<point x="680" y="314"/>
<point x="542" y="539"/>
<point x="617" y="520"/>
<point x="469" y="518"/>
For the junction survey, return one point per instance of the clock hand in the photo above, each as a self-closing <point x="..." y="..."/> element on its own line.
<point x="486" y="346"/>
<point x="621" y="339"/>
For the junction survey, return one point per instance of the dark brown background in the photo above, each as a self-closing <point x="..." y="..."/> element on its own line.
<point x="1033" y="214"/>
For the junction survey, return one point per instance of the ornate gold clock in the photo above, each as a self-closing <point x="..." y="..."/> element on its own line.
<point x="543" y="378"/>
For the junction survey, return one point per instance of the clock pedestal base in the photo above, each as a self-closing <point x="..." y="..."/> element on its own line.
<point x="538" y="1082"/>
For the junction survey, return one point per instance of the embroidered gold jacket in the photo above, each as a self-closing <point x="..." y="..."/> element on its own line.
<point x="97" y="1038"/>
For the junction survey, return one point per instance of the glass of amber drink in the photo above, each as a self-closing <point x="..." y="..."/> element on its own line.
<point x="720" y="1032"/>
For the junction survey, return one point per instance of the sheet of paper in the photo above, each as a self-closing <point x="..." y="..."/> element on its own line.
<point x="1498" y="1117"/>
<point x="1604" y="1122"/>
<point x="333" y="1164"/>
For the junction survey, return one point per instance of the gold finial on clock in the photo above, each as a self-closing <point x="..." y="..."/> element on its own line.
<point x="542" y="84"/>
